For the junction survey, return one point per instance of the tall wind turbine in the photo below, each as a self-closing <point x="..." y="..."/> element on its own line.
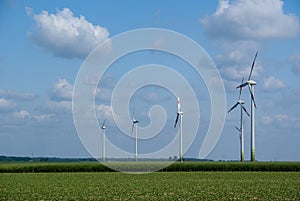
<point x="103" y="140"/>
<point x="241" y="129"/>
<point x="250" y="83"/>
<point x="179" y="115"/>
<point x="134" y="124"/>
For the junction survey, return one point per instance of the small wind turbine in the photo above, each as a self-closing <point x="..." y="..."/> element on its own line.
<point x="103" y="140"/>
<point x="179" y="115"/>
<point x="250" y="83"/>
<point x="134" y="124"/>
<point x="241" y="129"/>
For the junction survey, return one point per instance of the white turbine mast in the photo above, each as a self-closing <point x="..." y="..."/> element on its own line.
<point x="241" y="129"/>
<point x="134" y="124"/>
<point x="103" y="127"/>
<point x="179" y="115"/>
<point x="250" y="83"/>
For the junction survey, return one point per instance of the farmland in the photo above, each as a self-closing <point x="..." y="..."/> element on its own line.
<point x="151" y="186"/>
<point x="180" y="181"/>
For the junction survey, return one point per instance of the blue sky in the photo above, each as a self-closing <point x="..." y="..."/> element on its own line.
<point x="40" y="56"/>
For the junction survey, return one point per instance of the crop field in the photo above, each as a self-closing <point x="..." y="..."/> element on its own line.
<point x="180" y="181"/>
<point x="151" y="186"/>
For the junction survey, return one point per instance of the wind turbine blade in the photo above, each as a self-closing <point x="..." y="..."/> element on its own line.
<point x="252" y="96"/>
<point x="245" y="110"/>
<point x="233" y="107"/>
<point x="133" y="116"/>
<point x="132" y="127"/>
<point x="103" y="123"/>
<point x="242" y="85"/>
<point x="252" y="66"/>
<point x="241" y="89"/>
<point x="178" y="104"/>
<point x="237" y="129"/>
<point x="177" y="117"/>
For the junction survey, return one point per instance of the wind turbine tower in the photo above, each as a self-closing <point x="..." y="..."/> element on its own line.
<point x="103" y="141"/>
<point x="134" y="124"/>
<point x="179" y="115"/>
<point x="251" y="83"/>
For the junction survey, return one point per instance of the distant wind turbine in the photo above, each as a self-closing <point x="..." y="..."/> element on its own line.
<point x="241" y="129"/>
<point x="134" y="124"/>
<point x="103" y="140"/>
<point x="179" y="115"/>
<point x="250" y="83"/>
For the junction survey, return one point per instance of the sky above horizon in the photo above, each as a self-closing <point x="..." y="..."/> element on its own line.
<point x="45" y="44"/>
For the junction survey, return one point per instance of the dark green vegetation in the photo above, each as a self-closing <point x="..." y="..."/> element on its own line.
<point x="152" y="186"/>
<point x="148" y="166"/>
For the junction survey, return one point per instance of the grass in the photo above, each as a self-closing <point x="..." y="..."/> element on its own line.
<point x="152" y="186"/>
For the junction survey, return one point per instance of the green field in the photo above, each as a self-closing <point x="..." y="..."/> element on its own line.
<point x="152" y="186"/>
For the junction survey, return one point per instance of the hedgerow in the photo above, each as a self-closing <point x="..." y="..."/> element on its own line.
<point x="149" y="166"/>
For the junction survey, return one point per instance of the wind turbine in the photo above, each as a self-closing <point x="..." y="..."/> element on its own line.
<point x="241" y="129"/>
<point x="250" y="83"/>
<point x="103" y="140"/>
<point x="179" y="115"/>
<point x="134" y="124"/>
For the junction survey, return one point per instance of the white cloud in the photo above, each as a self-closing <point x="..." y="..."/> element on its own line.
<point x="241" y="27"/>
<point x="241" y="70"/>
<point x="66" y="35"/>
<point x="272" y="84"/>
<point x="281" y="117"/>
<point x="9" y="94"/>
<point x="267" y="120"/>
<point x="43" y="117"/>
<point x="104" y="112"/>
<point x="58" y="106"/>
<point x="295" y="60"/>
<point x="251" y="19"/>
<point x="103" y="94"/>
<point x="22" y="114"/>
<point x="7" y="105"/>
<point x="240" y="52"/>
<point x="62" y="90"/>
<point x="279" y="120"/>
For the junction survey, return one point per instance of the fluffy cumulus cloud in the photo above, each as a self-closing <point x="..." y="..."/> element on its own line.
<point x="240" y="28"/>
<point x="272" y="84"/>
<point x="255" y="19"/>
<point x="7" y="105"/>
<point x="22" y="114"/>
<point x="62" y="90"/>
<point x="62" y="107"/>
<point x="66" y="35"/>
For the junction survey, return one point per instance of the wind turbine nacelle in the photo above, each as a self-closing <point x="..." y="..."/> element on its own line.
<point x="251" y="82"/>
<point x="241" y="102"/>
<point x="103" y="127"/>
